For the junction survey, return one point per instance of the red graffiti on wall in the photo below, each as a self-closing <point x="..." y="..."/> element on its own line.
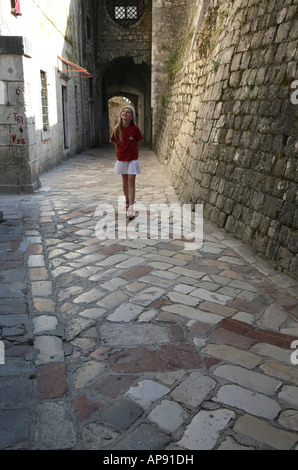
<point x="17" y="141"/>
<point x="18" y="119"/>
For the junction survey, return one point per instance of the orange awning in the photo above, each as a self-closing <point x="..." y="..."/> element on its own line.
<point x="77" y="68"/>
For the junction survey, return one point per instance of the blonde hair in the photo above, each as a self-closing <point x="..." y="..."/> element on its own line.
<point x="117" y="129"/>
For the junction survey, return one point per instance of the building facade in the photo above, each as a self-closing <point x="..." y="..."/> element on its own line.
<point x="60" y="63"/>
<point x="45" y="94"/>
<point x="123" y="45"/>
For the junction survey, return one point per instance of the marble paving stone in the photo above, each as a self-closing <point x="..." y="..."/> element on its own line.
<point x="112" y="300"/>
<point x="15" y="427"/>
<point x="69" y="292"/>
<point x="122" y="414"/>
<point x="202" y="385"/>
<point x="273" y="352"/>
<point x="41" y="288"/>
<point x="132" y="261"/>
<point x="54" y="428"/>
<point x="164" y="274"/>
<point x="112" y="260"/>
<point x="249" y="379"/>
<point x="126" y="312"/>
<point x="61" y="270"/>
<point x="188" y="272"/>
<point x="93" y="313"/>
<point x="264" y="432"/>
<point x="15" y="390"/>
<point x="84" y="408"/>
<point x="49" y="349"/>
<point x="273" y="317"/>
<point x="75" y="326"/>
<point x="280" y="371"/>
<point x="86" y="373"/>
<point x="193" y="313"/>
<point x="217" y="308"/>
<point x="248" y="400"/>
<point x="184" y="299"/>
<point x="232" y="354"/>
<point x="184" y="288"/>
<point x="113" y="385"/>
<point x="289" y="419"/>
<point x="205" y="294"/>
<point x="96" y="436"/>
<point x="157" y="281"/>
<point x="289" y="396"/>
<point x="10" y="291"/>
<point x="169" y="416"/>
<point x="167" y="358"/>
<point x="230" y="444"/>
<point x="36" y="261"/>
<point x="148" y="315"/>
<point x="115" y="334"/>
<point x="144" y="437"/>
<point x="205" y="428"/>
<point x="44" y="324"/>
<point x="90" y="296"/>
<point x="147" y="392"/>
<point x="51" y="381"/>
<point x="113" y="284"/>
<point x="147" y="296"/>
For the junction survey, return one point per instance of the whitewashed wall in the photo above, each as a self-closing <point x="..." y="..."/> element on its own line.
<point x="49" y="29"/>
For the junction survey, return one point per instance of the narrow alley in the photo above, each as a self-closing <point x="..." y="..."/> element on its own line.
<point x="137" y="344"/>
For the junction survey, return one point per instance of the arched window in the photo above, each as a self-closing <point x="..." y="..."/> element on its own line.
<point x="125" y="12"/>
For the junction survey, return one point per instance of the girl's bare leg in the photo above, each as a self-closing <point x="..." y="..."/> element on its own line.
<point x="131" y="189"/>
<point x="125" y="189"/>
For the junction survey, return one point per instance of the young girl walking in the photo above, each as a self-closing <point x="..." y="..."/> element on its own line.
<point x="126" y="137"/>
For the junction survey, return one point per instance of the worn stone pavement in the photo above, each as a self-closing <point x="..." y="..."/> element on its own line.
<point x="128" y="344"/>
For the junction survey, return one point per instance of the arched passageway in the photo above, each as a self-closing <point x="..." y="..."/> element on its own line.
<point x="122" y="77"/>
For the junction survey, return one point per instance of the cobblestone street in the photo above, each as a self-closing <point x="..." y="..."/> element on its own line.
<point x="129" y="344"/>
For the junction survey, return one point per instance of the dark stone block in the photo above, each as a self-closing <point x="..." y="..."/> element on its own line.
<point x="122" y="414"/>
<point x="15" y="45"/>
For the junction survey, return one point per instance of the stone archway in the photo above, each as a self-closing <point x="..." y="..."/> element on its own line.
<point x="136" y="98"/>
<point x="123" y="78"/>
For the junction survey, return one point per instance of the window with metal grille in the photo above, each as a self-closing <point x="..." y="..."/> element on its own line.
<point x="44" y="101"/>
<point x="125" y="12"/>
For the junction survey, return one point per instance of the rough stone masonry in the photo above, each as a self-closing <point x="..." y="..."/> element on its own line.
<point x="228" y="131"/>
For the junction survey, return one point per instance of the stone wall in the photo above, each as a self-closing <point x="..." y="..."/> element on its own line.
<point x="167" y="16"/>
<point x="17" y="170"/>
<point x="228" y="130"/>
<point x="115" y="41"/>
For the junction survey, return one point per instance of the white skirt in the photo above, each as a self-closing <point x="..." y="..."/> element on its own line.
<point x="127" y="168"/>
